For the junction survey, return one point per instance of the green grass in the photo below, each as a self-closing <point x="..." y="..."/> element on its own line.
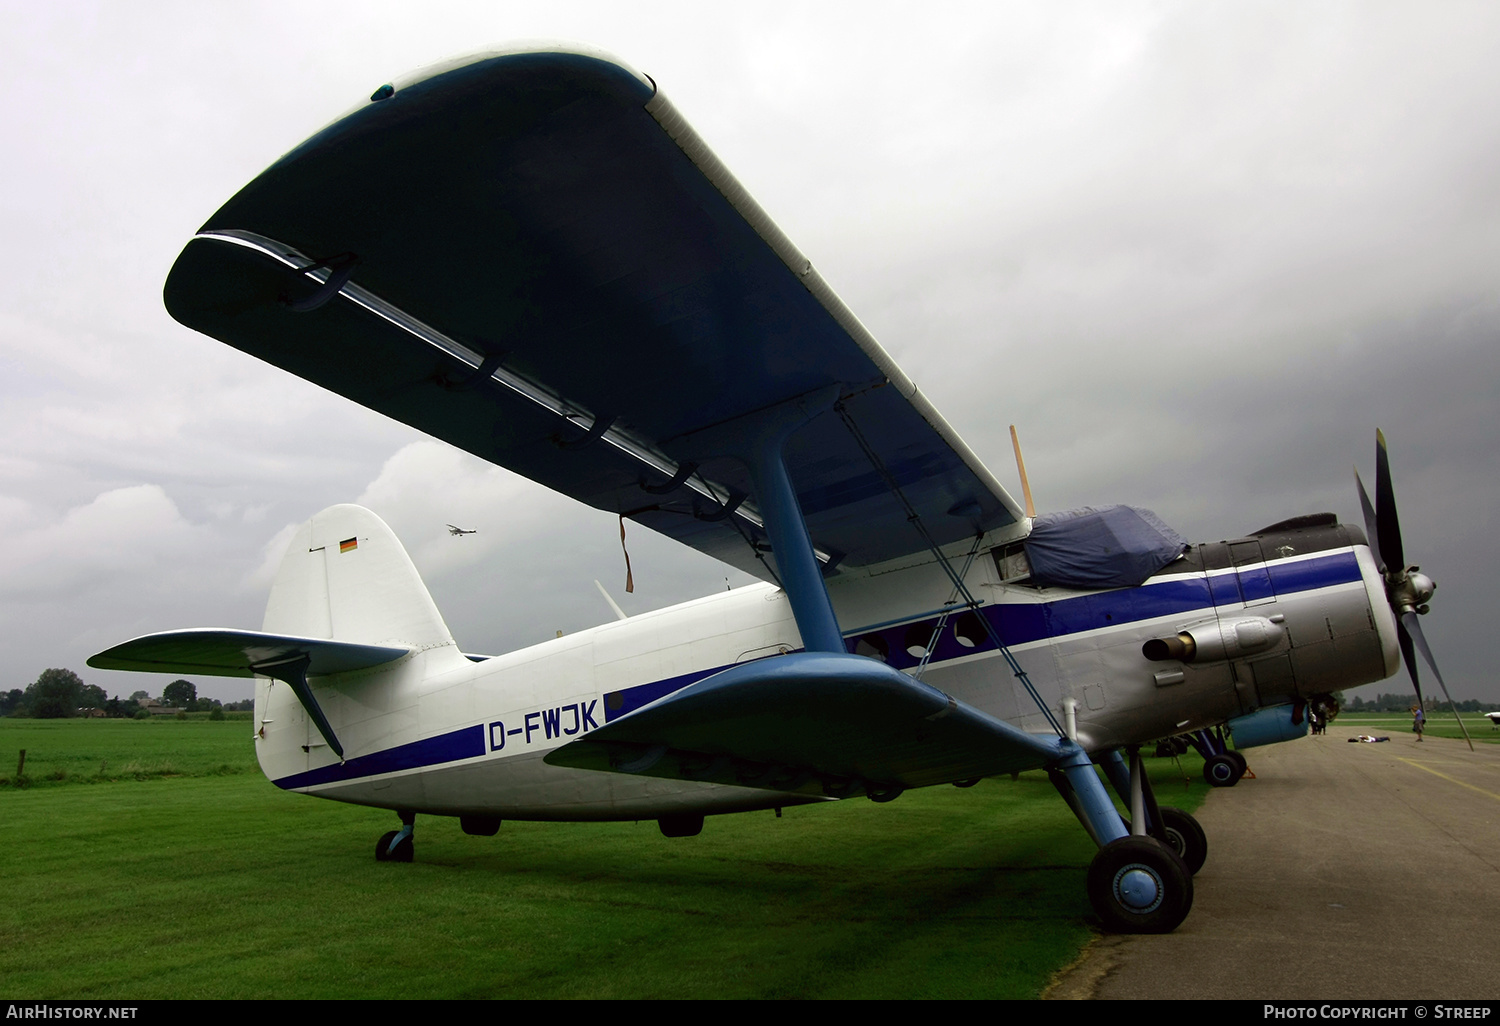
<point x="223" y="886"/>
<point x="1439" y="724"/>
<point x="91" y="751"/>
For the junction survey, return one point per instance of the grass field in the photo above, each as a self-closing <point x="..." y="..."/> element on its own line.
<point x="206" y="885"/>
<point x="1439" y="724"/>
<point x="91" y="751"/>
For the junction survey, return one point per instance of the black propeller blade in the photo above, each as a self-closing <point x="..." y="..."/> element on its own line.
<point x="1408" y="656"/>
<point x="1406" y="588"/>
<point x="1385" y="508"/>
<point x="1412" y="631"/>
<point x="1370" y="526"/>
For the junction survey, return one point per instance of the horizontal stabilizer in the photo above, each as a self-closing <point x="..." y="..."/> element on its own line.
<point x="810" y="722"/>
<point x="229" y="653"/>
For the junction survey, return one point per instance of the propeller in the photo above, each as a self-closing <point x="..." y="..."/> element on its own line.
<point x="1406" y="587"/>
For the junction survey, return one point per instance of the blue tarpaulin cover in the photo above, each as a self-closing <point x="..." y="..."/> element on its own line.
<point x="1100" y="547"/>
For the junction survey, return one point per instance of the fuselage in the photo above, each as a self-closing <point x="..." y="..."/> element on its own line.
<point x="1279" y="617"/>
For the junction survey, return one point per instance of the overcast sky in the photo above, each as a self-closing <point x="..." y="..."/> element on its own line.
<point x="1197" y="252"/>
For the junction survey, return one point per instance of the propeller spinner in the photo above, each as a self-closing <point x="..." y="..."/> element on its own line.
<point x="1406" y="587"/>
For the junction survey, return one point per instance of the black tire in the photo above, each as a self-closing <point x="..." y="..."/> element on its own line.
<point x="403" y="853"/>
<point x="1185" y="837"/>
<point x="1222" y="771"/>
<point x="1239" y="760"/>
<point x="1138" y="885"/>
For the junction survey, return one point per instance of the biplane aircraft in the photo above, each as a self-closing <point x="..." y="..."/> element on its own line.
<point x="531" y="255"/>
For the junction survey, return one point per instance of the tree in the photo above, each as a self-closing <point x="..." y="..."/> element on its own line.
<point x="55" y="694"/>
<point x="179" y="694"/>
<point x="92" y="696"/>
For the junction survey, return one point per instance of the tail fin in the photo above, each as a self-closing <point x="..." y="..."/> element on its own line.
<point x="345" y="577"/>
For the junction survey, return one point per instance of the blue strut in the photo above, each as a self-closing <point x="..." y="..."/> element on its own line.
<point x="1088" y="799"/>
<point x="758" y="439"/>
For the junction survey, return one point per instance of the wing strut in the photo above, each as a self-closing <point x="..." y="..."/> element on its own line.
<point x="759" y="440"/>
<point x="958" y="582"/>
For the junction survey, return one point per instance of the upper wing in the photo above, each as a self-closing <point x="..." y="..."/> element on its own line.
<point x="531" y="256"/>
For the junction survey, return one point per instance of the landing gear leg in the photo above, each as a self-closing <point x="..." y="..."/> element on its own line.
<point x="397" y="846"/>
<point x="1136" y="883"/>
<point x="1172" y="827"/>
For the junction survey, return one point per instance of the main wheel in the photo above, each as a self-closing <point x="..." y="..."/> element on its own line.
<point x="1185" y="837"/>
<point x="1222" y="771"/>
<point x="1138" y="885"/>
<point x="403" y="853"/>
<point x="1239" y="759"/>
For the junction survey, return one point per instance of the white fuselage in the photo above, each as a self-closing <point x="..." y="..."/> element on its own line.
<point x="436" y="732"/>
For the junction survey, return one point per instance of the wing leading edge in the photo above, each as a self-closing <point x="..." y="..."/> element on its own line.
<point x="534" y="258"/>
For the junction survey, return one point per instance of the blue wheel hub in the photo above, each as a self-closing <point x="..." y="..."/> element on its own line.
<point x="1138" y="888"/>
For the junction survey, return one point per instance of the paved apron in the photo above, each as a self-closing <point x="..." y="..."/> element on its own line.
<point x="1341" y="871"/>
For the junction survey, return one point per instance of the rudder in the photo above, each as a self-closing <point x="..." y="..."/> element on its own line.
<point x="346" y="577"/>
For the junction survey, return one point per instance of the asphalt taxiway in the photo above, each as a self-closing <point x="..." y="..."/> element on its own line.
<point x="1343" y="870"/>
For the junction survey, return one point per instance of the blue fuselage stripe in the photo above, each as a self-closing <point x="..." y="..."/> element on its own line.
<point x="1016" y="623"/>
<point x="1023" y="624"/>
<point x="464" y="743"/>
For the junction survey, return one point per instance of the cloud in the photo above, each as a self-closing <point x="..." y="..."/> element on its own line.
<point x="529" y="570"/>
<point x="123" y="534"/>
<point x="261" y="578"/>
<point x="1195" y="252"/>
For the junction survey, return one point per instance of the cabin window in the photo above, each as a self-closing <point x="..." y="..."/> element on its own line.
<point x="918" y="637"/>
<point x="968" y="629"/>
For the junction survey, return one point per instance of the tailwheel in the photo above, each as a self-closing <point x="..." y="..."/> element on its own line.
<point x="388" y="849"/>
<point x="1138" y="885"/>
<point x="1185" y="837"/>
<point x="397" y="845"/>
<point x="1223" y="770"/>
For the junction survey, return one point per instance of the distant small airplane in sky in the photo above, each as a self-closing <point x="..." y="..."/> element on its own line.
<point x="456" y="531"/>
